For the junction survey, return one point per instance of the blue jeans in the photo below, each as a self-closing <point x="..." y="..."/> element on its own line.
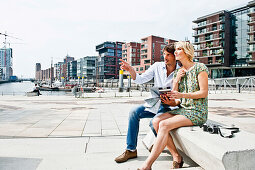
<point x="135" y="115"/>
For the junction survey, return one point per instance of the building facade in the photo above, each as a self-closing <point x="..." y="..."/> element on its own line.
<point x="108" y="60"/>
<point x="224" y="42"/>
<point x="86" y="67"/>
<point x="65" y="70"/>
<point x="37" y="71"/>
<point x="44" y="75"/>
<point x="5" y="63"/>
<point x="131" y="53"/>
<point x="72" y="69"/>
<point x="142" y="55"/>
<point x="58" y="70"/>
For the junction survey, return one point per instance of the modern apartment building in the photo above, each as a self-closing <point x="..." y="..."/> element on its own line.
<point x="44" y="75"/>
<point x="224" y="41"/>
<point x="5" y="63"/>
<point x="58" y="67"/>
<point x="37" y="70"/>
<point x="63" y="69"/>
<point x="142" y="55"/>
<point x="86" y="67"/>
<point x="108" y="60"/>
<point x="72" y="69"/>
<point x="131" y="53"/>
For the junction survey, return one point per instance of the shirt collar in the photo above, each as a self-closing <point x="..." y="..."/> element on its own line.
<point x="177" y="66"/>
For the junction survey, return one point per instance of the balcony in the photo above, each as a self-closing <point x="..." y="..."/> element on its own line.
<point x="208" y="39"/>
<point x="251" y="41"/>
<point x="251" y="50"/>
<point x="145" y="46"/>
<point x="251" y="11"/>
<point x="208" y="31"/>
<point x="250" y="31"/>
<point x="251" y="21"/>
<point x="143" y="56"/>
<point x="209" y="23"/>
<point x="213" y="47"/>
<point x="147" y="61"/>
<point x="207" y="55"/>
<point x="211" y="64"/>
<point x="144" y="41"/>
<point x="144" y="51"/>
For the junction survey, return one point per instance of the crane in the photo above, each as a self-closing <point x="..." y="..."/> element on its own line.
<point x="5" y="38"/>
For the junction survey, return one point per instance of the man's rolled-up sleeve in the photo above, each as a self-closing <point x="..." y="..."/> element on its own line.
<point x="146" y="76"/>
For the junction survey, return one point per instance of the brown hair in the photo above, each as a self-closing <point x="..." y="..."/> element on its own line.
<point x="169" y="48"/>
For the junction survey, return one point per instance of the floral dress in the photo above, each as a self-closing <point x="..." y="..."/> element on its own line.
<point x="194" y="109"/>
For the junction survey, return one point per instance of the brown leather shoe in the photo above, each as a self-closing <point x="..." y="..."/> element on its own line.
<point x="126" y="156"/>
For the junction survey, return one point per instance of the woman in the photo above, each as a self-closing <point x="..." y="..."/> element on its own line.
<point x="190" y="85"/>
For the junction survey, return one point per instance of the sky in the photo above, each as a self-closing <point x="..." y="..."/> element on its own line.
<point x="51" y="29"/>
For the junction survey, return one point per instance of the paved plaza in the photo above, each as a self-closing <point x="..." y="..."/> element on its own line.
<point x="64" y="132"/>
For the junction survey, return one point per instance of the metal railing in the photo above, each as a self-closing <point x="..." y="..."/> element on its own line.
<point x="232" y="85"/>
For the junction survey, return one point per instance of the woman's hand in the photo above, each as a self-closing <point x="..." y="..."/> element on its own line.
<point x="175" y="95"/>
<point x="167" y="101"/>
<point x="181" y="72"/>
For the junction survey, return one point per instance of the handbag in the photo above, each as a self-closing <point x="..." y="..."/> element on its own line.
<point x="225" y="132"/>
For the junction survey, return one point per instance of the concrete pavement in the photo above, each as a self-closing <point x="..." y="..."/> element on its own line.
<point x="63" y="132"/>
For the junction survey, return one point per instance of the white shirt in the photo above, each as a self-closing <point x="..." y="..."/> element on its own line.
<point x="159" y="73"/>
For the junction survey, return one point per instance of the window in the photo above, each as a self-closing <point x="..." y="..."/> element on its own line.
<point x="110" y="50"/>
<point x="141" y="68"/>
<point x="147" y="67"/>
<point x="147" y="61"/>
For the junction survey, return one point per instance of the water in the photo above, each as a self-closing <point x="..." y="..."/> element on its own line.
<point x="20" y="88"/>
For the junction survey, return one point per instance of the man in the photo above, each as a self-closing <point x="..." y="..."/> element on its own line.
<point x="162" y="72"/>
<point x="37" y="90"/>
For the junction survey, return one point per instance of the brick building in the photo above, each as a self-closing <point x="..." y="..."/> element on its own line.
<point x="224" y="41"/>
<point x="142" y="55"/>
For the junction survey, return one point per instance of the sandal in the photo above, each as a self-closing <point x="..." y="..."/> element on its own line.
<point x="178" y="165"/>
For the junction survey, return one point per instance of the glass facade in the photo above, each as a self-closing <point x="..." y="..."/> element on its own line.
<point x="225" y="42"/>
<point x="86" y="67"/>
<point x="5" y="63"/>
<point x="108" y="62"/>
<point x="240" y="38"/>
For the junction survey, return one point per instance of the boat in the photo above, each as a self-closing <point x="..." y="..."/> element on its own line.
<point x="64" y="89"/>
<point x="46" y="88"/>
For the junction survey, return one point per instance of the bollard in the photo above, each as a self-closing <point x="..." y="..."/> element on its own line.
<point x="78" y="81"/>
<point x="63" y="81"/>
<point x="82" y="81"/>
<point x="121" y="88"/>
<point x="129" y="84"/>
<point x="239" y="88"/>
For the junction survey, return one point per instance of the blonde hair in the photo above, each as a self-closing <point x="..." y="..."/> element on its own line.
<point x="187" y="48"/>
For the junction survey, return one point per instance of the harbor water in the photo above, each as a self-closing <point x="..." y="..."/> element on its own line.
<point x="20" y="88"/>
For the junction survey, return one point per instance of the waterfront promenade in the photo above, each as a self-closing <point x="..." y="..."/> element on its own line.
<point x="63" y="132"/>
